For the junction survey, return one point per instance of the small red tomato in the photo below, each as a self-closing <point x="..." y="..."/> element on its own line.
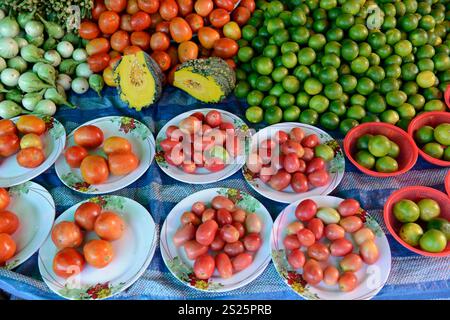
<point x="74" y="155"/>
<point x="108" y="22"/>
<point x="149" y="6"/>
<point x="294" y="227"/>
<point x="363" y="235"/>
<point x="109" y="226"/>
<point x="252" y="242"/>
<point x="184" y="234"/>
<point x="341" y="247"/>
<point x="9" y="144"/>
<point x="241" y="261"/>
<point x="312" y="272"/>
<point x="316" y="226"/>
<point x="296" y="259"/>
<point x="217" y="243"/>
<point x="9" y="222"/>
<point x="168" y="9"/>
<point x="204" y="267"/>
<point x="241" y="15"/>
<point x="319" y="178"/>
<point x="249" y="4"/>
<point x="140" y="21"/>
<point x="88" y="136"/>
<point x="214" y="164"/>
<point x="94" y="169"/>
<point x="162" y="59"/>
<point x="334" y="232"/>
<point x="121" y="164"/>
<point x="233" y="249"/>
<point x="229" y="234"/>
<point x="351" y="262"/>
<point x="213" y="118"/>
<point x="224" y="217"/>
<point x="68" y="262"/>
<point x="88" y="30"/>
<point x="315" y="164"/>
<point x="239" y="215"/>
<point x="351" y="223"/>
<point x="281" y="137"/>
<point x="299" y="182"/>
<point x="291" y="242"/>
<point x="369" y="251"/>
<point x="280" y="180"/>
<point x="306" y="237"/>
<point x="67" y="234"/>
<point x="5" y="199"/>
<point x="99" y="61"/>
<point x="86" y="214"/>
<point x="198" y="208"/>
<point x="189" y="217"/>
<point x="291" y="163"/>
<point x="318" y="251"/>
<point x="349" y="207"/>
<point x="306" y="210"/>
<point x="348" y="281"/>
<point x="194" y="249"/>
<point x="225" y="48"/>
<point x="224" y="265"/>
<point x="308" y="154"/>
<point x="330" y="275"/>
<point x="120" y="40"/>
<point x="240" y="227"/>
<point x="206" y="232"/>
<point x="294" y="147"/>
<point x="98" y="253"/>
<point x="296" y="134"/>
<point x="208" y="214"/>
<point x="310" y="141"/>
<point x="30" y="157"/>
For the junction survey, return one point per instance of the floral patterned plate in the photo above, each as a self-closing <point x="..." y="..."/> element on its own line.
<point x="181" y="267"/>
<point x="54" y="139"/>
<point x="35" y="209"/>
<point x="133" y="253"/>
<point x="202" y="176"/>
<point x="336" y="167"/>
<point x="371" y="277"/>
<point x="143" y="145"/>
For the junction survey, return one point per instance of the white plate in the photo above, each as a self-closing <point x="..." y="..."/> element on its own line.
<point x="336" y="167"/>
<point x="181" y="267"/>
<point x="54" y="139"/>
<point x="143" y="145"/>
<point x="133" y="253"/>
<point x="202" y="176"/>
<point x="35" y="208"/>
<point x="371" y="277"/>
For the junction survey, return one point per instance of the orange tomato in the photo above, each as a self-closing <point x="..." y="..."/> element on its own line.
<point x="208" y="36"/>
<point x="156" y="18"/>
<point x="249" y="4"/>
<point x="125" y="23"/>
<point x="5" y="199"/>
<point x="68" y="262"/>
<point x="116" y="144"/>
<point x="31" y="124"/>
<point x="30" y="157"/>
<point x="88" y="136"/>
<point x="231" y="63"/>
<point x="225" y="48"/>
<point x="195" y="21"/>
<point x="114" y="60"/>
<point x="7" y="247"/>
<point x="173" y="54"/>
<point x="241" y="15"/>
<point x="98" y="45"/>
<point x="116" y="5"/>
<point x="31" y="140"/>
<point x="131" y="50"/>
<point x="67" y="234"/>
<point x="9" y="144"/>
<point x="140" y="21"/>
<point x="224" y="4"/>
<point x="203" y="7"/>
<point x="7" y="127"/>
<point x="98" y="253"/>
<point x="9" y="222"/>
<point x="120" y="40"/>
<point x="168" y="9"/>
<point x="86" y="215"/>
<point x="185" y="7"/>
<point x="219" y="17"/>
<point x="99" y="7"/>
<point x="108" y="22"/>
<point x="187" y="50"/>
<point x="132" y="7"/>
<point x="180" y="30"/>
<point x="94" y="169"/>
<point x="159" y="41"/>
<point x="149" y="6"/>
<point x="74" y="155"/>
<point x="140" y="39"/>
<point x="109" y="226"/>
<point x="122" y="163"/>
<point x="98" y="62"/>
<point x="108" y="76"/>
<point x="162" y="59"/>
<point x="162" y="26"/>
<point x="88" y="30"/>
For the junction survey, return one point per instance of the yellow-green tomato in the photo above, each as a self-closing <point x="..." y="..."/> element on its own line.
<point x="328" y="215"/>
<point x="429" y="209"/>
<point x="433" y="241"/>
<point x="411" y="233"/>
<point x="406" y="211"/>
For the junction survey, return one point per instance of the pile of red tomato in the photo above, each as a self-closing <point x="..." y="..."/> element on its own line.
<point x="230" y="233"/>
<point x="68" y="236"/>
<point x="165" y="28"/>
<point x="95" y="169"/>
<point x="9" y="223"/>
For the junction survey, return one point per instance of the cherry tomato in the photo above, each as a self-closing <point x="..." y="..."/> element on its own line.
<point x="122" y="163"/>
<point x="291" y="163"/>
<point x="198" y="208"/>
<point x="187" y="50"/>
<point x="9" y="222"/>
<point x="294" y="227"/>
<point x="241" y="261"/>
<point x="233" y="249"/>
<point x="232" y="31"/>
<point x="132" y="7"/>
<point x="253" y="223"/>
<point x="125" y="23"/>
<point x="9" y="144"/>
<point x="249" y="4"/>
<point x="99" y="62"/>
<point x="204" y="267"/>
<point x="189" y="217"/>
<point x="31" y="124"/>
<point x="116" y="5"/>
<point x="120" y="40"/>
<point x="98" y="45"/>
<point x="86" y="215"/>
<point x="180" y="30"/>
<point x="7" y="247"/>
<point x="131" y="50"/>
<point x="296" y="259"/>
<point x="223" y="217"/>
<point x="116" y="144"/>
<point x="140" y="39"/>
<point x="222" y="202"/>
<point x="299" y="182"/>
<point x="330" y="275"/>
<point x="163" y="26"/>
<point x="195" y="22"/>
<point x="310" y="141"/>
<point x="341" y="247"/>
<point x="351" y="262"/>
<point x="224" y="265"/>
<point x="185" y="7"/>
<point x="7" y="127"/>
<point x="369" y="251"/>
<point x="88" y="136"/>
<point x="219" y="17"/>
<point x="363" y="235"/>
<point x="229" y="233"/>
<point x="349" y="207"/>
<point x="98" y="253"/>
<point x="239" y="215"/>
<point x="318" y="251"/>
<point x="74" y="155"/>
<point x="194" y="249"/>
<point x="240" y="227"/>
<point x="5" y="199"/>
<point x="31" y="140"/>
<point x="351" y="223"/>
<point x="296" y="134"/>
<point x="183" y="234"/>
<point x="109" y="226"/>
<point x="228" y="5"/>
<point x="312" y="272"/>
<point x="99" y="8"/>
<point x="162" y="59"/>
<point x="334" y="232"/>
<point x="66" y="234"/>
<point x="140" y="21"/>
<point x="315" y="164"/>
<point x="159" y="41"/>
<point x="208" y="36"/>
<point x="306" y="210"/>
<point x="203" y="7"/>
<point x="319" y="178"/>
<point x="348" y="281"/>
<point x="252" y="242"/>
<point x="206" y="232"/>
<point x="217" y="243"/>
<point x="306" y="237"/>
<point x="308" y="154"/>
<point x="149" y="6"/>
<point x="30" y="157"/>
<point x="280" y="180"/>
<point x="68" y="262"/>
<point x="109" y="22"/>
<point x="168" y="9"/>
<point x="316" y="226"/>
<point x="94" y="169"/>
<point x="88" y="30"/>
<point x="291" y="242"/>
<point x="294" y="147"/>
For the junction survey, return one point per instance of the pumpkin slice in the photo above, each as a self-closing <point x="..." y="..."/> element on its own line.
<point x="139" y="80"/>
<point x="208" y="80"/>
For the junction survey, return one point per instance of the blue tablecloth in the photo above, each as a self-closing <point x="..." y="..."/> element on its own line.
<point x="412" y="276"/>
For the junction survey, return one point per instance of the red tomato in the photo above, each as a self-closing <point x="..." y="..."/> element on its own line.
<point x="369" y="251"/>
<point x="125" y="23"/>
<point x="30" y="157"/>
<point x="222" y="202"/>
<point x="296" y="258"/>
<point x="294" y="147"/>
<point x="163" y="26"/>
<point x="109" y="22"/>
<point x="229" y="234"/>
<point x="281" y="137"/>
<point x="88" y="30"/>
<point x="280" y="180"/>
<point x="240" y="227"/>
<point x="189" y="217"/>
<point x="213" y="118"/>
<point x="312" y="272"/>
<point x="162" y="59"/>
<point x="66" y="234"/>
<point x="99" y="7"/>
<point x="140" y="39"/>
<point x="217" y="243"/>
<point x="194" y="249"/>
<point x="88" y="136"/>
<point x="120" y="40"/>
<point x="185" y="7"/>
<point x="214" y="164"/>
<point x="98" y="253"/>
<point x="195" y="22"/>
<point x="9" y="144"/>
<point x="348" y="281"/>
<point x="204" y="267"/>
<point x="351" y="262"/>
<point x="74" y="155"/>
<point x="173" y="54"/>
<point x="349" y="207"/>
<point x="132" y="6"/>
<point x="131" y="50"/>
<point x="86" y="214"/>
<point x="239" y="215"/>
<point x="224" y="4"/>
<point x="198" y="208"/>
<point x="149" y="6"/>
<point x="116" y="144"/>
<point x="180" y="30"/>
<point x="242" y="261"/>
<point x="299" y="182"/>
<point x="208" y="37"/>
<point x="334" y="232"/>
<point x="116" y="5"/>
<point x="341" y="247"/>
<point x="168" y="9"/>
<point x="318" y="251"/>
<point x="187" y="50"/>
<point x="310" y="141"/>
<point x="253" y="223"/>
<point x="9" y="222"/>
<point x="7" y="127"/>
<point x="252" y="242"/>
<point x="308" y="154"/>
<point x="315" y="164"/>
<point x="203" y="7"/>
<point x="140" y="21"/>
<point x="296" y="134"/>
<point x="98" y="45"/>
<point x="219" y="18"/>
<point x="5" y="199"/>
<point x="159" y="41"/>
<point x="330" y="275"/>
<point x="99" y="62"/>
<point x="31" y="124"/>
<point x="241" y="15"/>
<point x="224" y="265"/>
<point x="109" y="226"/>
<point x="363" y="235"/>
<point x="183" y="234"/>
<point x="206" y="232"/>
<point x="224" y="217"/>
<point x="233" y="249"/>
<point x="7" y="247"/>
<point x="68" y="262"/>
<point x="316" y="226"/>
<point x="351" y="223"/>
<point x="249" y="4"/>
<point x="121" y="164"/>
<point x="291" y="242"/>
<point x="294" y="227"/>
<point x="319" y="178"/>
<point x="291" y="163"/>
<point x="94" y="169"/>
<point x="306" y="237"/>
<point x="31" y="140"/>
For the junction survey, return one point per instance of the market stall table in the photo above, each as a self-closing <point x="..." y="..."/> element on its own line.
<point x="412" y="276"/>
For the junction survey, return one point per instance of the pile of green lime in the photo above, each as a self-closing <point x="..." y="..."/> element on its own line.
<point x="435" y="141"/>
<point x="377" y="152"/>
<point x="420" y="215"/>
<point x="337" y="63"/>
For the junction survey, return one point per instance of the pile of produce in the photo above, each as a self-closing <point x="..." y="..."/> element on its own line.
<point x="322" y="233"/>
<point x="377" y="152"/>
<point x="68" y="236"/>
<point x="420" y="215"/>
<point x="231" y="234"/>
<point x="435" y="141"/>
<point x="9" y="223"/>
<point x="339" y="63"/>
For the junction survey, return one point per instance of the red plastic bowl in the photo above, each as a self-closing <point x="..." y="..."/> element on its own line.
<point x="447" y="183"/>
<point x="416" y="193"/>
<point x="433" y="119"/>
<point x="408" y="150"/>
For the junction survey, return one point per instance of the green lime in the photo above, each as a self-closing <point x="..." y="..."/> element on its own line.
<point x="320" y="25"/>
<point x="274" y="24"/>
<point x="370" y="118"/>
<point x="425" y="64"/>
<point x="365" y="159"/>
<point x="389" y="116"/>
<point x="264" y="65"/>
<point x="312" y="86"/>
<point x="249" y="32"/>
<point x="349" y="50"/>
<point x="408" y="22"/>
<point x="348" y="82"/>
<point x="255" y="98"/>
<point x="252" y="78"/>
<point x="333" y="47"/>
<point x="281" y="36"/>
<point x="274" y="8"/>
<point x="286" y="100"/>
<point x="277" y="90"/>
<point x="306" y="56"/>
<point x="440" y="224"/>
<point x="404" y="123"/>
<point x="396" y="98"/>
<point x="328" y="75"/>
<point x="291" y="114"/>
<point x="406" y="210"/>
<point x="329" y="121"/>
<point x="410" y="88"/>
<point x="330" y="60"/>
<point x="376" y="103"/>
<point x="358" y="99"/>
<point x="393" y="59"/>
<point x="433" y="149"/>
<point x="434" y="105"/>
<point x="269" y="101"/>
<point x="328" y="4"/>
<point x="337" y="107"/>
<point x="442" y="134"/>
<point x="362" y="143"/>
<point x="393" y="36"/>
<point x="376" y="73"/>
<point x="319" y="103"/>
<point x="403" y="48"/>
<point x="245" y="54"/>
<point x="384" y="52"/>
<point x="345" y="21"/>
<point x="347" y="124"/>
<point x="358" y="32"/>
<point x="291" y="84"/>
<point x="324" y="151"/>
<point x="298" y="17"/>
<point x="279" y="73"/>
<point x="429" y="209"/>
<point x="273" y="115"/>
<point x="302" y="73"/>
<point x="241" y="74"/>
<point x="418" y="37"/>
<point x="409" y="71"/>
<point x="309" y="116"/>
<point x="271" y="51"/>
<point x="406" y="110"/>
<point x="365" y="86"/>
<point x="360" y="65"/>
<point x="394" y="151"/>
<point x="379" y="145"/>
<point x="389" y="22"/>
<point x="254" y="114"/>
<point x="286" y="17"/>
<point x="433" y="241"/>
<point x="290" y="47"/>
<point x="333" y="91"/>
<point x="427" y="22"/>
<point x="417" y="100"/>
<point x="389" y="84"/>
<point x="411" y="233"/>
<point x="300" y="35"/>
<point x="302" y="99"/>
<point x="335" y="34"/>
<point x="264" y="83"/>
<point x="426" y="51"/>
<point x="315" y="69"/>
<point x="376" y="39"/>
<point x="242" y="89"/>
<point x="356" y="112"/>
<point x="289" y="60"/>
<point x="317" y="41"/>
<point x="365" y="50"/>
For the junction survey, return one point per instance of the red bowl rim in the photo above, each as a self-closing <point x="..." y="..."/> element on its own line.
<point x="387" y="214"/>
<point x="427" y="157"/>
<point x="403" y="133"/>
